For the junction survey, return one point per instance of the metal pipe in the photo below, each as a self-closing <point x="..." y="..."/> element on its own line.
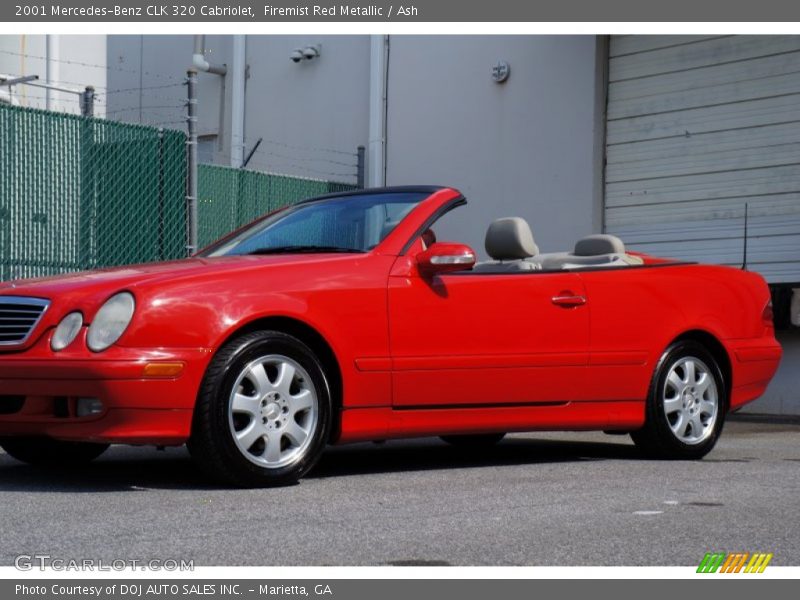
<point x="237" y="101"/>
<point x="252" y="152"/>
<point x="191" y="159"/>
<point x="18" y="80"/>
<point x="378" y="65"/>
<point x="52" y="70"/>
<point x="41" y="84"/>
<point x="199" y="58"/>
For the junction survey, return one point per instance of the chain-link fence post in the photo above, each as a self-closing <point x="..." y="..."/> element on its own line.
<point x="87" y="214"/>
<point x="87" y="101"/>
<point x="161" y="254"/>
<point x="360" y="167"/>
<point x="191" y="157"/>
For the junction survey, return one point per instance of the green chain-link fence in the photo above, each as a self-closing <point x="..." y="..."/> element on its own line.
<point x="80" y="193"/>
<point x="228" y="198"/>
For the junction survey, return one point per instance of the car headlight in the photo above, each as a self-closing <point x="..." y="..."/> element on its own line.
<point x="110" y="321"/>
<point x="67" y="330"/>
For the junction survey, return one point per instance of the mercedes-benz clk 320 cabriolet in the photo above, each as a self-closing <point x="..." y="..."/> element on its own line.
<point x="342" y="319"/>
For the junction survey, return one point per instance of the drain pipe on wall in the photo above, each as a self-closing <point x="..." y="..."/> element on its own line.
<point x="52" y="69"/>
<point x="237" y="100"/>
<point x="199" y="58"/>
<point x="378" y="75"/>
<point x="237" y="89"/>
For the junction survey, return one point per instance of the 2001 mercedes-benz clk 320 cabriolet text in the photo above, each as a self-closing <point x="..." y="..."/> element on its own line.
<point x="342" y="319"/>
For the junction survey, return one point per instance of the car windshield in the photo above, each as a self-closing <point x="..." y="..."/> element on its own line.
<point x="354" y="223"/>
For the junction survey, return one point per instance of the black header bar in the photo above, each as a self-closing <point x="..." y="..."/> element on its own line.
<point x="401" y="12"/>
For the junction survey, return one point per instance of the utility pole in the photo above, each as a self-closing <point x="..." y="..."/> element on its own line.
<point x="191" y="159"/>
<point x="87" y="101"/>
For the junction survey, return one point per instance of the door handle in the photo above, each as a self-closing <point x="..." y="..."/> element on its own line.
<point x="568" y="300"/>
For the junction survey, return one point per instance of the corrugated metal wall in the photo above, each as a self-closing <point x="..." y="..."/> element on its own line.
<point x="697" y="127"/>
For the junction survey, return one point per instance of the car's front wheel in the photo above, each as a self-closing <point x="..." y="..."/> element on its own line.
<point x="686" y="405"/>
<point x="47" y="452"/>
<point x="263" y="415"/>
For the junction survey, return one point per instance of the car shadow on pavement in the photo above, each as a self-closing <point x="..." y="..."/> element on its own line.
<point x="114" y="472"/>
<point x="430" y="454"/>
<point x="139" y="469"/>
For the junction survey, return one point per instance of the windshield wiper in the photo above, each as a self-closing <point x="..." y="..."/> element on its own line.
<point x="305" y="250"/>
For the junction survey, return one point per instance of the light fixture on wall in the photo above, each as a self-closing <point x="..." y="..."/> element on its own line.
<point x="305" y="53"/>
<point x="501" y="71"/>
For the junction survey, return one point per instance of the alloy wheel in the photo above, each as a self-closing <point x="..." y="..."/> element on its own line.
<point x="273" y="411"/>
<point x="691" y="400"/>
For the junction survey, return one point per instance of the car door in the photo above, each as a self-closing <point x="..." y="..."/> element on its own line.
<point x="485" y="338"/>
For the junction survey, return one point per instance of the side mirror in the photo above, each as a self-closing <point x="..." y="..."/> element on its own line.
<point x="445" y="257"/>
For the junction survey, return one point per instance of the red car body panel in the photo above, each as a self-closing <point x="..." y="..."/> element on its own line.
<point x="416" y="355"/>
<point x="451" y="343"/>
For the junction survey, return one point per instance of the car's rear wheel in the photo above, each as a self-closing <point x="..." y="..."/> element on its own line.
<point x="686" y="405"/>
<point x="263" y="415"/>
<point x="481" y="440"/>
<point x="47" y="452"/>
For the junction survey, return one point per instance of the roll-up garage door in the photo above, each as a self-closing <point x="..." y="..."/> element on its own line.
<point x="699" y="127"/>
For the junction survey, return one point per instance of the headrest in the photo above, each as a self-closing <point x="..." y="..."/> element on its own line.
<point x="599" y="243"/>
<point x="510" y="238"/>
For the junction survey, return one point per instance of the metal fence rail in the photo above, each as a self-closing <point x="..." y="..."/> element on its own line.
<point x="80" y="193"/>
<point x="228" y="198"/>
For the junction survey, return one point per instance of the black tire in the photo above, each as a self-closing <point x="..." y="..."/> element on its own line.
<point x="47" y="452"/>
<point x="212" y="443"/>
<point x="478" y="440"/>
<point x="657" y="439"/>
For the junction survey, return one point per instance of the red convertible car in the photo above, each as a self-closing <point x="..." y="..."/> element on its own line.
<point x="342" y="319"/>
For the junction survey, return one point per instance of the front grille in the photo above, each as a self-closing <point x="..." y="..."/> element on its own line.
<point x="19" y="317"/>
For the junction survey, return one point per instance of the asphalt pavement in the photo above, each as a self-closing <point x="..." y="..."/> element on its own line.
<point x="535" y="499"/>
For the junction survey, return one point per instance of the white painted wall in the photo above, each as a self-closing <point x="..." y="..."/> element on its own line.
<point x="145" y="79"/>
<point x="522" y="148"/>
<point x="312" y="114"/>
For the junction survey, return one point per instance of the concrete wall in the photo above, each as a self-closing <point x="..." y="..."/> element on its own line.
<point x="526" y="147"/>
